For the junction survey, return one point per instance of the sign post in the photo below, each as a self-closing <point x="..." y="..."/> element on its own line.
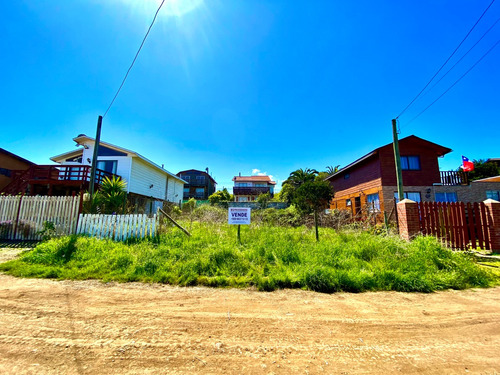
<point x="239" y="216"/>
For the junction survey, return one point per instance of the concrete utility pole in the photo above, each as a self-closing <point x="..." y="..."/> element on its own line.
<point x="94" y="158"/>
<point x="397" y="158"/>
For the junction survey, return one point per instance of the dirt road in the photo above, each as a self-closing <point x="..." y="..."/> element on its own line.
<point x="64" y="327"/>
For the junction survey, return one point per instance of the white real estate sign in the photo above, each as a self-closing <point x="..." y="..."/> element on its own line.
<point x="237" y="215"/>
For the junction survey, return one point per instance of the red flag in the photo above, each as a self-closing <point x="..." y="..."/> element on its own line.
<point x="467" y="166"/>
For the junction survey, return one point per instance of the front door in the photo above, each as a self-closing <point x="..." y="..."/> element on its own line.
<point x="357" y="206"/>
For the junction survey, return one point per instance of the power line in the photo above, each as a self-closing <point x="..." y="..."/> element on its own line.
<point x="454" y="83"/>
<point x="135" y="58"/>
<point x="448" y="59"/>
<point x="465" y="54"/>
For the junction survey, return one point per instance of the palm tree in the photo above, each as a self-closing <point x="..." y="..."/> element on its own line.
<point x="111" y="196"/>
<point x="332" y="170"/>
<point x="301" y="176"/>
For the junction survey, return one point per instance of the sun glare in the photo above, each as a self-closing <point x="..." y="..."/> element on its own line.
<point x="171" y="8"/>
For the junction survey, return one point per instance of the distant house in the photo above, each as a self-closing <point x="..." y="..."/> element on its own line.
<point x="148" y="184"/>
<point x="9" y="163"/>
<point x="248" y="188"/>
<point x="199" y="184"/>
<point x="370" y="181"/>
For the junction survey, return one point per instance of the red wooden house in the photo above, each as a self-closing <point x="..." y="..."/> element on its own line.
<point x="370" y="181"/>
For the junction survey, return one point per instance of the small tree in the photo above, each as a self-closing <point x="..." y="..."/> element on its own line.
<point x="219" y="196"/>
<point x="483" y="169"/>
<point x="313" y="196"/>
<point x="263" y="200"/>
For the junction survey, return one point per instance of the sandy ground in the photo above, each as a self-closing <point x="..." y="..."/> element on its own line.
<point x="88" y="327"/>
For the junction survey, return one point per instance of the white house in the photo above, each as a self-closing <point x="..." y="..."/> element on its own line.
<point x="144" y="178"/>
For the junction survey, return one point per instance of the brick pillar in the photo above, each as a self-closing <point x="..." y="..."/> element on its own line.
<point x="408" y="219"/>
<point x="493" y="219"/>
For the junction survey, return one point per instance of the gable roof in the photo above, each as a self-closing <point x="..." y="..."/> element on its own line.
<point x="82" y="138"/>
<point x="440" y="151"/>
<point x="254" y="179"/>
<point x="197" y="171"/>
<point x="14" y="156"/>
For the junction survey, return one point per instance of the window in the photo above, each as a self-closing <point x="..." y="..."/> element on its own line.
<point x="348" y="202"/>
<point x="410" y="163"/>
<point x="107" y="165"/>
<point x="186" y="190"/>
<point x="373" y="202"/>
<point x="5" y="172"/>
<point x="200" y="179"/>
<point x="243" y="184"/>
<point x="446" y="197"/>
<point x="411" y="195"/>
<point x="493" y="194"/>
<point x="186" y="177"/>
<point x="200" y="192"/>
<point x="260" y="184"/>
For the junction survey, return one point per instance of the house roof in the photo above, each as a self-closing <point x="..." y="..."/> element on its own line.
<point x="489" y="179"/>
<point x="82" y="138"/>
<point x="8" y="153"/>
<point x="440" y="150"/>
<point x="198" y="171"/>
<point x="254" y="179"/>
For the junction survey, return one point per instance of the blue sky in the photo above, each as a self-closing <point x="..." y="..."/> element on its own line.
<point x="246" y="85"/>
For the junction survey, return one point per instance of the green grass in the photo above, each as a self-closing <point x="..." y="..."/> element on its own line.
<point x="269" y="258"/>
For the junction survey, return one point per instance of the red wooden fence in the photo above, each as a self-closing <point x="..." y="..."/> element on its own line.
<point x="460" y="225"/>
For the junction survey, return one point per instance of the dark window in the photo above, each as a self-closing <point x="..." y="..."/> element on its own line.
<point x="5" y="172"/>
<point x="107" y="165"/>
<point x="106" y="151"/>
<point x="186" y="177"/>
<point x="76" y="159"/>
<point x="200" y="179"/>
<point x="410" y="163"/>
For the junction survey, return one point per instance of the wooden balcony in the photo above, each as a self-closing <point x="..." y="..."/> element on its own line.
<point x="454" y="178"/>
<point x="240" y="190"/>
<point x="76" y="176"/>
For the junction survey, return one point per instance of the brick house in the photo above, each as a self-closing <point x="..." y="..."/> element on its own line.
<point x="248" y="188"/>
<point x="370" y="181"/>
<point x="199" y="184"/>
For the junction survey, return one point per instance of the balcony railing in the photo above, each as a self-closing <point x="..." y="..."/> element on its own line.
<point x="239" y="190"/>
<point x="453" y="178"/>
<point x="53" y="174"/>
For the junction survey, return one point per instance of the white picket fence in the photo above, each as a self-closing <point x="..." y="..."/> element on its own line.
<point x="117" y="227"/>
<point x="22" y="217"/>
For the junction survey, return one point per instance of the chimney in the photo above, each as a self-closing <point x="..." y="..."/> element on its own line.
<point x="206" y="169"/>
<point x="240" y="174"/>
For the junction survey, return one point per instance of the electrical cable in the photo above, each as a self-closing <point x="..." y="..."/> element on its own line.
<point x="135" y="58"/>
<point x="448" y="59"/>
<point x="454" y="83"/>
<point x="465" y="54"/>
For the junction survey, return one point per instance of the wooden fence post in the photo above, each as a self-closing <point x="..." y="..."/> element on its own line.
<point x="493" y="225"/>
<point x="408" y="219"/>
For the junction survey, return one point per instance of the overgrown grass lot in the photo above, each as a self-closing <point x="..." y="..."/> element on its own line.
<point x="270" y="257"/>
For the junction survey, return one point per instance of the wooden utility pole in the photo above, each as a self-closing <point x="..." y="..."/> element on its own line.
<point x="94" y="158"/>
<point x="397" y="158"/>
